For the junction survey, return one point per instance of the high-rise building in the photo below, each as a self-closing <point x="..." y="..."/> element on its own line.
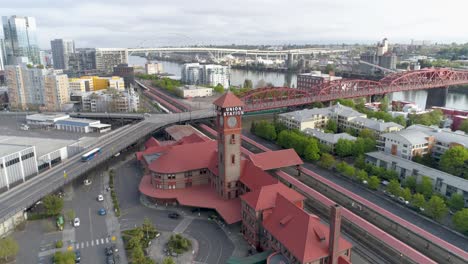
<point x="61" y="51"/>
<point x="106" y="101"/>
<point x="25" y="86"/>
<point x="82" y="62"/>
<point x="108" y="58"/>
<point x="20" y="39"/>
<point x="126" y="72"/>
<point x="16" y="86"/>
<point x="56" y="91"/>
<point x="2" y="55"/>
<point x="210" y="74"/>
<point x="382" y="47"/>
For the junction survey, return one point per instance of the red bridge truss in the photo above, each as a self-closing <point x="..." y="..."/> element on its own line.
<point x="278" y="97"/>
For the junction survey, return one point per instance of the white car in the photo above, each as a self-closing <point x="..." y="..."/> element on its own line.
<point x="100" y="198"/>
<point x="76" y="222"/>
<point x="87" y="182"/>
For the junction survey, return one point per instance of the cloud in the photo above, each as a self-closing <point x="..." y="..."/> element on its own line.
<point x="124" y="23"/>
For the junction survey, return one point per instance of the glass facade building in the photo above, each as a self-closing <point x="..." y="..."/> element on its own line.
<point x="20" y="39"/>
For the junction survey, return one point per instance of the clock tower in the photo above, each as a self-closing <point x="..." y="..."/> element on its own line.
<point x="229" y="109"/>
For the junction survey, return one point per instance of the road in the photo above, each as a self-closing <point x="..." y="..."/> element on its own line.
<point x="381" y="200"/>
<point x="26" y="194"/>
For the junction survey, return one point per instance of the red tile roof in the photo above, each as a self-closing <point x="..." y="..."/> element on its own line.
<point x="253" y="177"/>
<point x="197" y="196"/>
<point x="301" y="233"/>
<point x="152" y="150"/>
<point x="228" y="100"/>
<point x="151" y="142"/>
<point x="276" y="159"/>
<point x="265" y="197"/>
<point x="193" y="138"/>
<point x="186" y="157"/>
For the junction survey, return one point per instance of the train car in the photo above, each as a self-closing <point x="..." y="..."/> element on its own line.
<point x="91" y="154"/>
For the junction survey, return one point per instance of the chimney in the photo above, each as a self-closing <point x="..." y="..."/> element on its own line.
<point x="335" y="226"/>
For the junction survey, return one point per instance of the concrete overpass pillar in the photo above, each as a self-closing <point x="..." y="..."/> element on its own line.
<point x="436" y="97"/>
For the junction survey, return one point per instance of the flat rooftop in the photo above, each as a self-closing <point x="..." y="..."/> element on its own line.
<point x="7" y="149"/>
<point x="43" y="145"/>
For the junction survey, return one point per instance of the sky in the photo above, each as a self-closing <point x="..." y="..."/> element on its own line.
<point x="144" y="23"/>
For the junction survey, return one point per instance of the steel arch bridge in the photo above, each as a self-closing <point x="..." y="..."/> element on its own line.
<point x="279" y="97"/>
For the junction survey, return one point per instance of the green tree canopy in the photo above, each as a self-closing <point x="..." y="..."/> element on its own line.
<point x="219" y="88"/>
<point x="400" y="120"/>
<point x="453" y="160"/>
<point x="406" y="194"/>
<point x="374" y="182"/>
<point x="332" y="126"/>
<point x="436" y="208"/>
<point x="8" y="248"/>
<point x="425" y="187"/>
<point x="312" y="151"/>
<point x="418" y="200"/>
<point x="53" y="204"/>
<point x="265" y="129"/>
<point x="363" y="145"/>
<point x="367" y="133"/>
<point x="168" y="260"/>
<point x="344" y="147"/>
<point x="326" y="161"/>
<point x="410" y="182"/>
<point x="460" y="220"/>
<point x="394" y="187"/>
<point x="360" y="162"/>
<point x="248" y="84"/>
<point x="456" y="202"/>
<point x="464" y="126"/>
<point x="361" y="175"/>
<point x="137" y="255"/>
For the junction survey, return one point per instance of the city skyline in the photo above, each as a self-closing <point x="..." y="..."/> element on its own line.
<point x="183" y="23"/>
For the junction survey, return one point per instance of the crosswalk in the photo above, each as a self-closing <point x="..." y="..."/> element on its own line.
<point x="92" y="243"/>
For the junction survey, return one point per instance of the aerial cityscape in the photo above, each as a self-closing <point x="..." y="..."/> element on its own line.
<point x="300" y="132"/>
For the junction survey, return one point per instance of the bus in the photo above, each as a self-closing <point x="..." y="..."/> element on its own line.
<point x="90" y="155"/>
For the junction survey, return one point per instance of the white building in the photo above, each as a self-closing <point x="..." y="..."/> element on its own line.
<point x="108" y="58"/>
<point x="153" y="68"/>
<point x="191" y="91"/>
<point x="328" y="139"/>
<point x="209" y="74"/>
<point x="45" y="119"/>
<point x="107" y="101"/>
<point x="80" y="125"/>
<point x="418" y="140"/>
<point x="17" y="164"/>
<point x="442" y="182"/>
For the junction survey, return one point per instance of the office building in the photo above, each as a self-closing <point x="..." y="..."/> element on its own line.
<point x="311" y="80"/>
<point x="153" y="68"/>
<point x="442" y="182"/>
<point x="108" y="58"/>
<point x="102" y="83"/>
<point x="2" y="55"/>
<point x="82" y="62"/>
<point x="56" y="91"/>
<point x="44" y="120"/>
<point x="210" y="74"/>
<point x="25" y="86"/>
<point x="126" y="72"/>
<point x="328" y="139"/>
<point x="20" y="40"/>
<point x="61" y="51"/>
<point x="81" y="125"/>
<point x="77" y="85"/>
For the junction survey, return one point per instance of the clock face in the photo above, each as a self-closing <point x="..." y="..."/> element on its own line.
<point x="232" y="121"/>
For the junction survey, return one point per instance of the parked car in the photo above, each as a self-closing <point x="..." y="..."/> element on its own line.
<point x="77" y="256"/>
<point x="174" y="215"/>
<point x="87" y="182"/>
<point x="100" y="198"/>
<point x="102" y="211"/>
<point x="109" y="251"/>
<point x="76" y="222"/>
<point x="402" y="200"/>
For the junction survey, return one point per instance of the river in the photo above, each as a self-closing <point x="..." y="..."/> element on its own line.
<point x="454" y="99"/>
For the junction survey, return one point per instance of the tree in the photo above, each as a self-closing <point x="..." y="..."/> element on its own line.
<point x="460" y="220"/>
<point x="394" y="187"/>
<point x="219" y="88"/>
<point x="410" y="182"/>
<point x="453" y="160"/>
<point x="425" y="187"/>
<point x="332" y="126"/>
<point x="324" y="148"/>
<point x="384" y="104"/>
<point x="137" y="255"/>
<point x="265" y="130"/>
<point x="326" y="161"/>
<point x="400" y="120"/>
<point x="406" y="194"/>
<point x="346" y="102"/>
<point x="147" y="226"/>
<point x="317" y="105"/>
<point x="70" y="214"/>
<point x="436" y="208"/>
<point x="344" y="147"/>
<point x="329" y="68"/>
<point x="312" y="151"/>
<point x="374" y="182"/>
<point x="464" y="126"/>
<point x="53" y="204"/>
<point x="363" y="145"/>
<point x="418" y="200"/>
<point x="361" y="175"/>
<point x="360" y="162"/>
<point x="64" y="257"/>
<point x="247" y="84"/>
<point x="456" y="202"/>
<point x="366" y="133"/>
<point x="349" y="171"/>
<point x="8" y="248"/>
<point x="168" y="260"/>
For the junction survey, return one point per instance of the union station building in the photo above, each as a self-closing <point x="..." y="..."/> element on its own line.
<point x="193" y="170"/>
